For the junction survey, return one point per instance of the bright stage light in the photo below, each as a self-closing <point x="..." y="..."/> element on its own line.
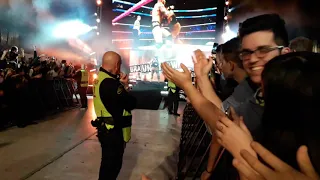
<point x="98" y="33"/>
<point x="229" y="34"/>
<point x="95" y="14"/>
<point x="70" y="29"/>
<point x="227" y="3"/>
<point x="98" y="20"/>
<point x="99" y="2"/>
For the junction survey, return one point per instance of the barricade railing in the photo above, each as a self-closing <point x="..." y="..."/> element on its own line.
<point x="46" y="97"/>
<point x="194" y="145"/>
<point x="64" y="91"/>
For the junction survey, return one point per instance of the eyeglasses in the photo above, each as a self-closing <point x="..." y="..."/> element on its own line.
<point x="260" y="52"/>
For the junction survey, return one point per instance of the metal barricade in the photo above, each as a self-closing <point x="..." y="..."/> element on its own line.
<point x="71" y="86"/>
<point x="64" y="91"/>
<point x="60" y="93"/>
<point x="43" y="97"/>
<point x="194" y="145"/>
<point x="49" y="96"/>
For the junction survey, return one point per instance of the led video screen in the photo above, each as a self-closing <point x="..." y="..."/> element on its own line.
<point x="152" y="38"/>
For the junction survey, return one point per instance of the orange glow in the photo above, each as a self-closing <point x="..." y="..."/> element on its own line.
<point x="95" y="76"/>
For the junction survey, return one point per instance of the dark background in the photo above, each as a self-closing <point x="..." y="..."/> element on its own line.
<point x="301" y="16"/>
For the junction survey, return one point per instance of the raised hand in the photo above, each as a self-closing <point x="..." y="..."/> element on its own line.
<point x="124" y="79"/>
<point x="202" y="65"/>
<point x="180" y="79"/>
<point x="280" y="170"/>
<point x="234" y="137"/>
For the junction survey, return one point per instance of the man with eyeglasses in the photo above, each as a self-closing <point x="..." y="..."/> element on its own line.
<point x="262" y="38"/>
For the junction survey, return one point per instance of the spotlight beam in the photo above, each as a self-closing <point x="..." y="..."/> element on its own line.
<point x="132" y="9"/>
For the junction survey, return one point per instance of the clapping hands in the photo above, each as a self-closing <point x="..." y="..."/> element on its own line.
<point x="202" y="65"/>
<point x="234" y="135"/>
<point x="181" y="79"/>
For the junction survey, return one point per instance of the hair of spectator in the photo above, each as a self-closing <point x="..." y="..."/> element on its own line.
<point x="301" y="44"/>
<point x="230" y="51"/>
<point x="14" y="48"/>
<point x="291" y="91"/>
<point x="219" y="48"/>
<point x="266" y="22"/>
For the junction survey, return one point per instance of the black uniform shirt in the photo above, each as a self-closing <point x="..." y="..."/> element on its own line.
<point x="114" y="97"/>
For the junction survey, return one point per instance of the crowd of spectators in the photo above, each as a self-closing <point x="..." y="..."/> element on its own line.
<point x="26" y="89"/>
<point x="267" y="92"/>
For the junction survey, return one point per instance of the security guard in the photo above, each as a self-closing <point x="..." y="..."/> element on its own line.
<point x="173" y="98"/>
<point x="155" y="68"/>
<point x="82" y="77"/>
<point x="113" y="105"/>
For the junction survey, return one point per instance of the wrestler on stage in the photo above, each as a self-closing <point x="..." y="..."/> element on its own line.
<point x="159" y="12"/>
<point x="174" y="26"/>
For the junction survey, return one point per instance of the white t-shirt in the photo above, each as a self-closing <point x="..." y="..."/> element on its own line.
<point x="136" y="25"/>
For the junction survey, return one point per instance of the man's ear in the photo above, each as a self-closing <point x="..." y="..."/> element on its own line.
<point x="232" y="65"/>
<point x="285" y="50"/>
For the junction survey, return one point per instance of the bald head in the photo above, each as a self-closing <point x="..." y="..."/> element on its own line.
<point x="111" y="62"/>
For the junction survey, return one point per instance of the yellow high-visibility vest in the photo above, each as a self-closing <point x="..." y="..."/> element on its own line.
<point x="84" y="78"/>
<point x="101" y="111"/>
<point x="172" y="86"/>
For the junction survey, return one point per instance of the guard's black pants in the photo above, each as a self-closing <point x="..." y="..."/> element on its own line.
<point x="112" y="146"/>
<point x="83" y="96"/>
<point x="173" y="102"/>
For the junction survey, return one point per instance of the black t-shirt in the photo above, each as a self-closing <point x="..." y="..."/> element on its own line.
<point x="44" y="71"/>
<point x="3" y="64"/>
<point x="173" y="21"/>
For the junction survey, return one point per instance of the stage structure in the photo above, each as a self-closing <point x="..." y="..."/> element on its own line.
<point x="141" y="59"/>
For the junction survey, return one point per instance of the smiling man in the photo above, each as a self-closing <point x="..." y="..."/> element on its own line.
<point x="263" y="38"/>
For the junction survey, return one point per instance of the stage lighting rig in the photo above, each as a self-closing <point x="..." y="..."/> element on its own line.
<point x="98" y="15"/>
